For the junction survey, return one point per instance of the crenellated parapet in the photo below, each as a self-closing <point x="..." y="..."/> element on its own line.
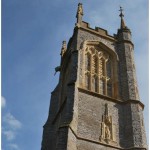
<point x="97" y="31"/>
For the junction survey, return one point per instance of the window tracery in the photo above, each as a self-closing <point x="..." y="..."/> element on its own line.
<point x="98" y="74"/>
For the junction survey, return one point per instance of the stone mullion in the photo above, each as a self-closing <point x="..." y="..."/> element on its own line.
<point x="92" y="71"/>
<point x="96" y="69"/>
<point x="105" y="79"/>
<point x="100" y="73"/>
<point x="101" y="68"/>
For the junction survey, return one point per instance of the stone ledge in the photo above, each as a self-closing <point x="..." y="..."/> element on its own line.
<point x="88" y="140"/>
<point x="99" y="143"/>
<point x="110" y="98"/>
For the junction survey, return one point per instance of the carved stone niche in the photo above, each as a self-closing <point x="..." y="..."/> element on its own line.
<point x="108" y="133"/>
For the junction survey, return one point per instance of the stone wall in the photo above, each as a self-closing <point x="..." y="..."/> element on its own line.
<point x="50" y="129"/>
<point x="127" y="122"/>
<point x="91" y="110"/>
<point x="85" y="145"/>
<point x="84" y="35"/>
<point x="72" y="141"/>
<point x="139" y="137"/>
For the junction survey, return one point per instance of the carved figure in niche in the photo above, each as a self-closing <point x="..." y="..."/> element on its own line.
<point x="107" y="133"/>
<point x="107" y="129"/>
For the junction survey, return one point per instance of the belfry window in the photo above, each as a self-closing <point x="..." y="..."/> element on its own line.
<point x="98" y="70"/>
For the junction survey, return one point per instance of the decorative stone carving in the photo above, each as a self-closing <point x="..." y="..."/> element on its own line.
<point x="107" y="128"/>
<point x="79" y="15"/>
<point x="80" y="9"/>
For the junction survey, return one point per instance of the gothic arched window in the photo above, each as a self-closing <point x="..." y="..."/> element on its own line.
<point x="98" y="74"/>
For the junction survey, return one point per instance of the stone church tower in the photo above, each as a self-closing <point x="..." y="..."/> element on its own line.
<point x="96" y="104"/>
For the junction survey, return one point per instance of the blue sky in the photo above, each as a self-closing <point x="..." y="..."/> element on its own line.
<point x="32" y="34"/>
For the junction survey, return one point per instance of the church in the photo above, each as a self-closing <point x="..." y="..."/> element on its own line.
<point x="96" y="103"/>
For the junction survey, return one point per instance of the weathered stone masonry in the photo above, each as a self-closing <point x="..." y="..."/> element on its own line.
<point x="96" y="104"/>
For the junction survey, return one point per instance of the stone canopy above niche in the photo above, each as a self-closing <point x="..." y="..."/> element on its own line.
<point x="108" y="133"/>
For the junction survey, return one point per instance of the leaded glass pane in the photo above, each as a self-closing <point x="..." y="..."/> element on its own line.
<point x="109" y="89"/>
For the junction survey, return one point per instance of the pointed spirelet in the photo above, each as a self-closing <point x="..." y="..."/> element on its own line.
<point x="64" y="48"/>
<point x="122" y="25"/>
<point x="79" y="14"/>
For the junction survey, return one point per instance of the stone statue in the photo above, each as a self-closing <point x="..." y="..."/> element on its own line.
<point x="107" y="134"/>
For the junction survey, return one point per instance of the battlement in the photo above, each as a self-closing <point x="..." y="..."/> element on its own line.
<point x="102" y="32"/>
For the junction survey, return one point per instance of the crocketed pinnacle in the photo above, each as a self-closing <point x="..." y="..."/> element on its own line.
<point x="79" y="10"/>
<point x="79" y="15"/>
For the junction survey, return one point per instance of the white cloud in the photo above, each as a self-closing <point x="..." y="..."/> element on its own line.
<point x="12" y="121"/>
<point x="13" y="146"/>
<point x="3" y="102"/>
<point x="10" y="135"/>
<point x="11" y="127"/>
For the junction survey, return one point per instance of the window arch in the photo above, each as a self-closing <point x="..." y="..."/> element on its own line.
<point x="99" y="70"/>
